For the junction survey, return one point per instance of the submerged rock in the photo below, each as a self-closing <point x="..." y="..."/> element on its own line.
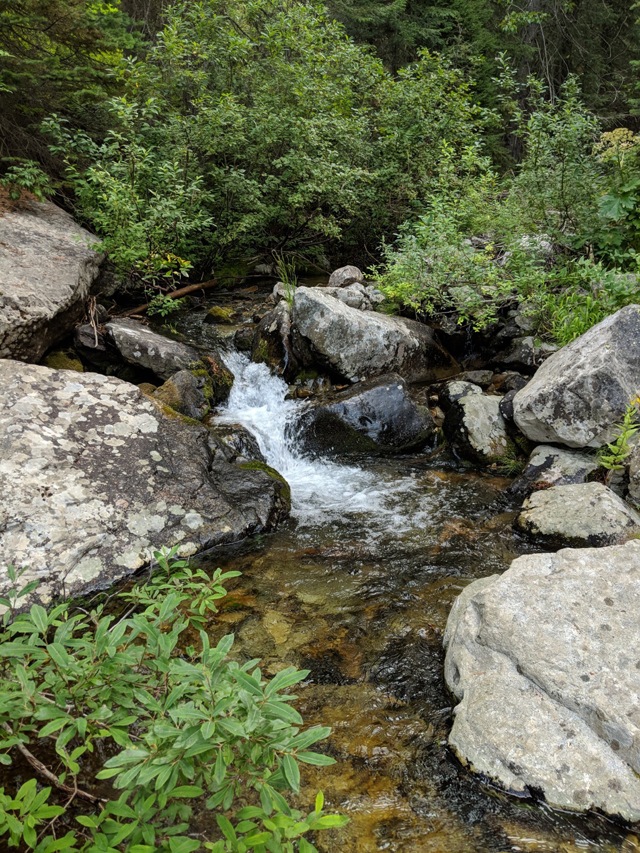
<point x="544" y="662"/>
<point x="377" y="416"/>
<point x="94" y="477"/>
<point x="581" y="392"/>
<point x="47" y="266"/>
<point x="580" y="515"/>
<point x="473" y="423"/>
<point x="553" y="466"/>
<point x="362" y="344"/>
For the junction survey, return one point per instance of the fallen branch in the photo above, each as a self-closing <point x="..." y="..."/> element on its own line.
<point x="44" y="771"/>
<point x="176" y="294"/>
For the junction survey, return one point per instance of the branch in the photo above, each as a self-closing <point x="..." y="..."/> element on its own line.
<point x="43" y="771"/>
<point x="176" y="294"/>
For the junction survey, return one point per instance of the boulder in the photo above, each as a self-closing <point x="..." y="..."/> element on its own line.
<point x="377" y="416"/>
<point x="141" y="346"/>
<point x="473" y="424"/>
<point x="362" y="344"/>
<point x="344" y="276"/>
<point x="186" y="394"/>
<point x="95" y="477"/>
<point x="47" y="266"/>
<point x="552" y="466"/>
<point x="544" y="663"/>
<point x="581" y="392"/>
<point x="234" y="443"/>
<point x="633" y="474"/>
<point x="581" y="515"/>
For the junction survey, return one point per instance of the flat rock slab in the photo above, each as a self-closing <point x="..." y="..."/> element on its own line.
<point x="94" y="478"/>
<point x="47" y="267"/>
<point x="362" y="344"/>
<point x="141" y="346"/>
<point x="581" y="392"/>
<point x="579" y="515"/>
<point x="545" y="663"/>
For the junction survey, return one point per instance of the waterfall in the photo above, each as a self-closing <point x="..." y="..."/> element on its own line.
<point x="321" y="491"/>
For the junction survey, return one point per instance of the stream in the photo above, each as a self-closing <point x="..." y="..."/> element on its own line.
<point x="356" y="587"/>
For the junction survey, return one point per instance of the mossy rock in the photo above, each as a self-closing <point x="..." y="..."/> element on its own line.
<point x="147" y="388"/>
<point x="284" y="490"/>
<point x="221" y="316"/>
<point x="64" y="360"/>
<point x="188" y="393"/>
<point x="220" y="378"/>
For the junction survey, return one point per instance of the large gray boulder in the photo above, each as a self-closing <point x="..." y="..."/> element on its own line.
<point x="544" y="663"/>
<point x="47" y="266"/>
<point x="363" y="344"/>
<point x="579" y="515"/>
<point x="377" y="416"/>
<point x="344" y="276"/>
<point x="581" y="392"/>
<point x="95" y="477"/>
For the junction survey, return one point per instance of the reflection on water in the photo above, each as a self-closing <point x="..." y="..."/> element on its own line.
<point x="357" y="589"/>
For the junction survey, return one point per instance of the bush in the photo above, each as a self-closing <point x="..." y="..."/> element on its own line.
<point x="177" y="726"/>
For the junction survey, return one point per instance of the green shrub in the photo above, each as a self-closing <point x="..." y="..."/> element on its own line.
<point x="178" y="726"/>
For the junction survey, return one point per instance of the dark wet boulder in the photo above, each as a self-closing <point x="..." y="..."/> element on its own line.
<point x="580" y="515"/>
<point x="473" y="424"/>
<point x="95" y="476"/>
<point x="48" y="265"/>
<point x="553" y="466"/>
<point x="582" y="391"/>
<point x="359" y="345"/>
<point x="377" y="416"/>
<point x="543" y="662"/>
<point x="272" y="342"/>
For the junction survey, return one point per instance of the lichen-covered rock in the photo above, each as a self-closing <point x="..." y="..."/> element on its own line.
<point x="94" y="477"/>
<point x="362" y="344"/>
<point x="141" y="346"/>
<point x="47" y="266"/>
<point x="581" y="515"/>
<point x="377" y="416"/>
<point x="473" y="424"/>
<point x="544" y="662"/>
<point x="552" y="466"/>
<point x="344" y="276"/>
<point x="581" y="392"/>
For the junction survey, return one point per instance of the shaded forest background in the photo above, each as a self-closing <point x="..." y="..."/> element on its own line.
<point x="477" y="154"/>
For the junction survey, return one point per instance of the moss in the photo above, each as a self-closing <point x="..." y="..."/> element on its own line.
<point x="147" y="388"/>
<point x="171" y="413"/>
<point x="261" y="352"/>
<point x="220" y="315"/>
<point x="219" y="379"/>
<point x="285" y="488"/>
<point x="64" y="360"/>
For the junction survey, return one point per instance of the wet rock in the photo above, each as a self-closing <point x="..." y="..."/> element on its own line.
<point x="221" y="315"/>
<point x="526" y="353"/>
<point x="186" y="394"/>
<point x="543" y="660"/>
<point x="92" y="345"/>
<point x="47" y="267"/>
<point x="235" y="443"/>
<point x="508" y="381"/>
<point x="95" y="477"/>
<point x="362" y="344"/>
<point x="581" y="515"/>
<point x="473" y="424"/>
<point x="243" y="339"/>
<point x="582" y="391"/>
<point x="272" y="341"/>
<point x="506" y="405"/>
<point x="551" y="466"/>
<point x="344" y="276"/>
<point x="377" y="416"/>
<point x="453" y="391"/>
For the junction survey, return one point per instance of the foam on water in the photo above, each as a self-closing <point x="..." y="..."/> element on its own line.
<point x="322" y="491"/>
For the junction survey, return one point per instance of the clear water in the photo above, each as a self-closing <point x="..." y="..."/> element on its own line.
<point x="357" y="588"/>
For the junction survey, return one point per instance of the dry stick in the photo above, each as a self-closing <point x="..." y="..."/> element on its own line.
<point x="176" y="294"/>
<point x="40" y="768"/>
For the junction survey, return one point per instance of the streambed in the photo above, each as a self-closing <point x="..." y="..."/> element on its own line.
<point x="357" y="587"/>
